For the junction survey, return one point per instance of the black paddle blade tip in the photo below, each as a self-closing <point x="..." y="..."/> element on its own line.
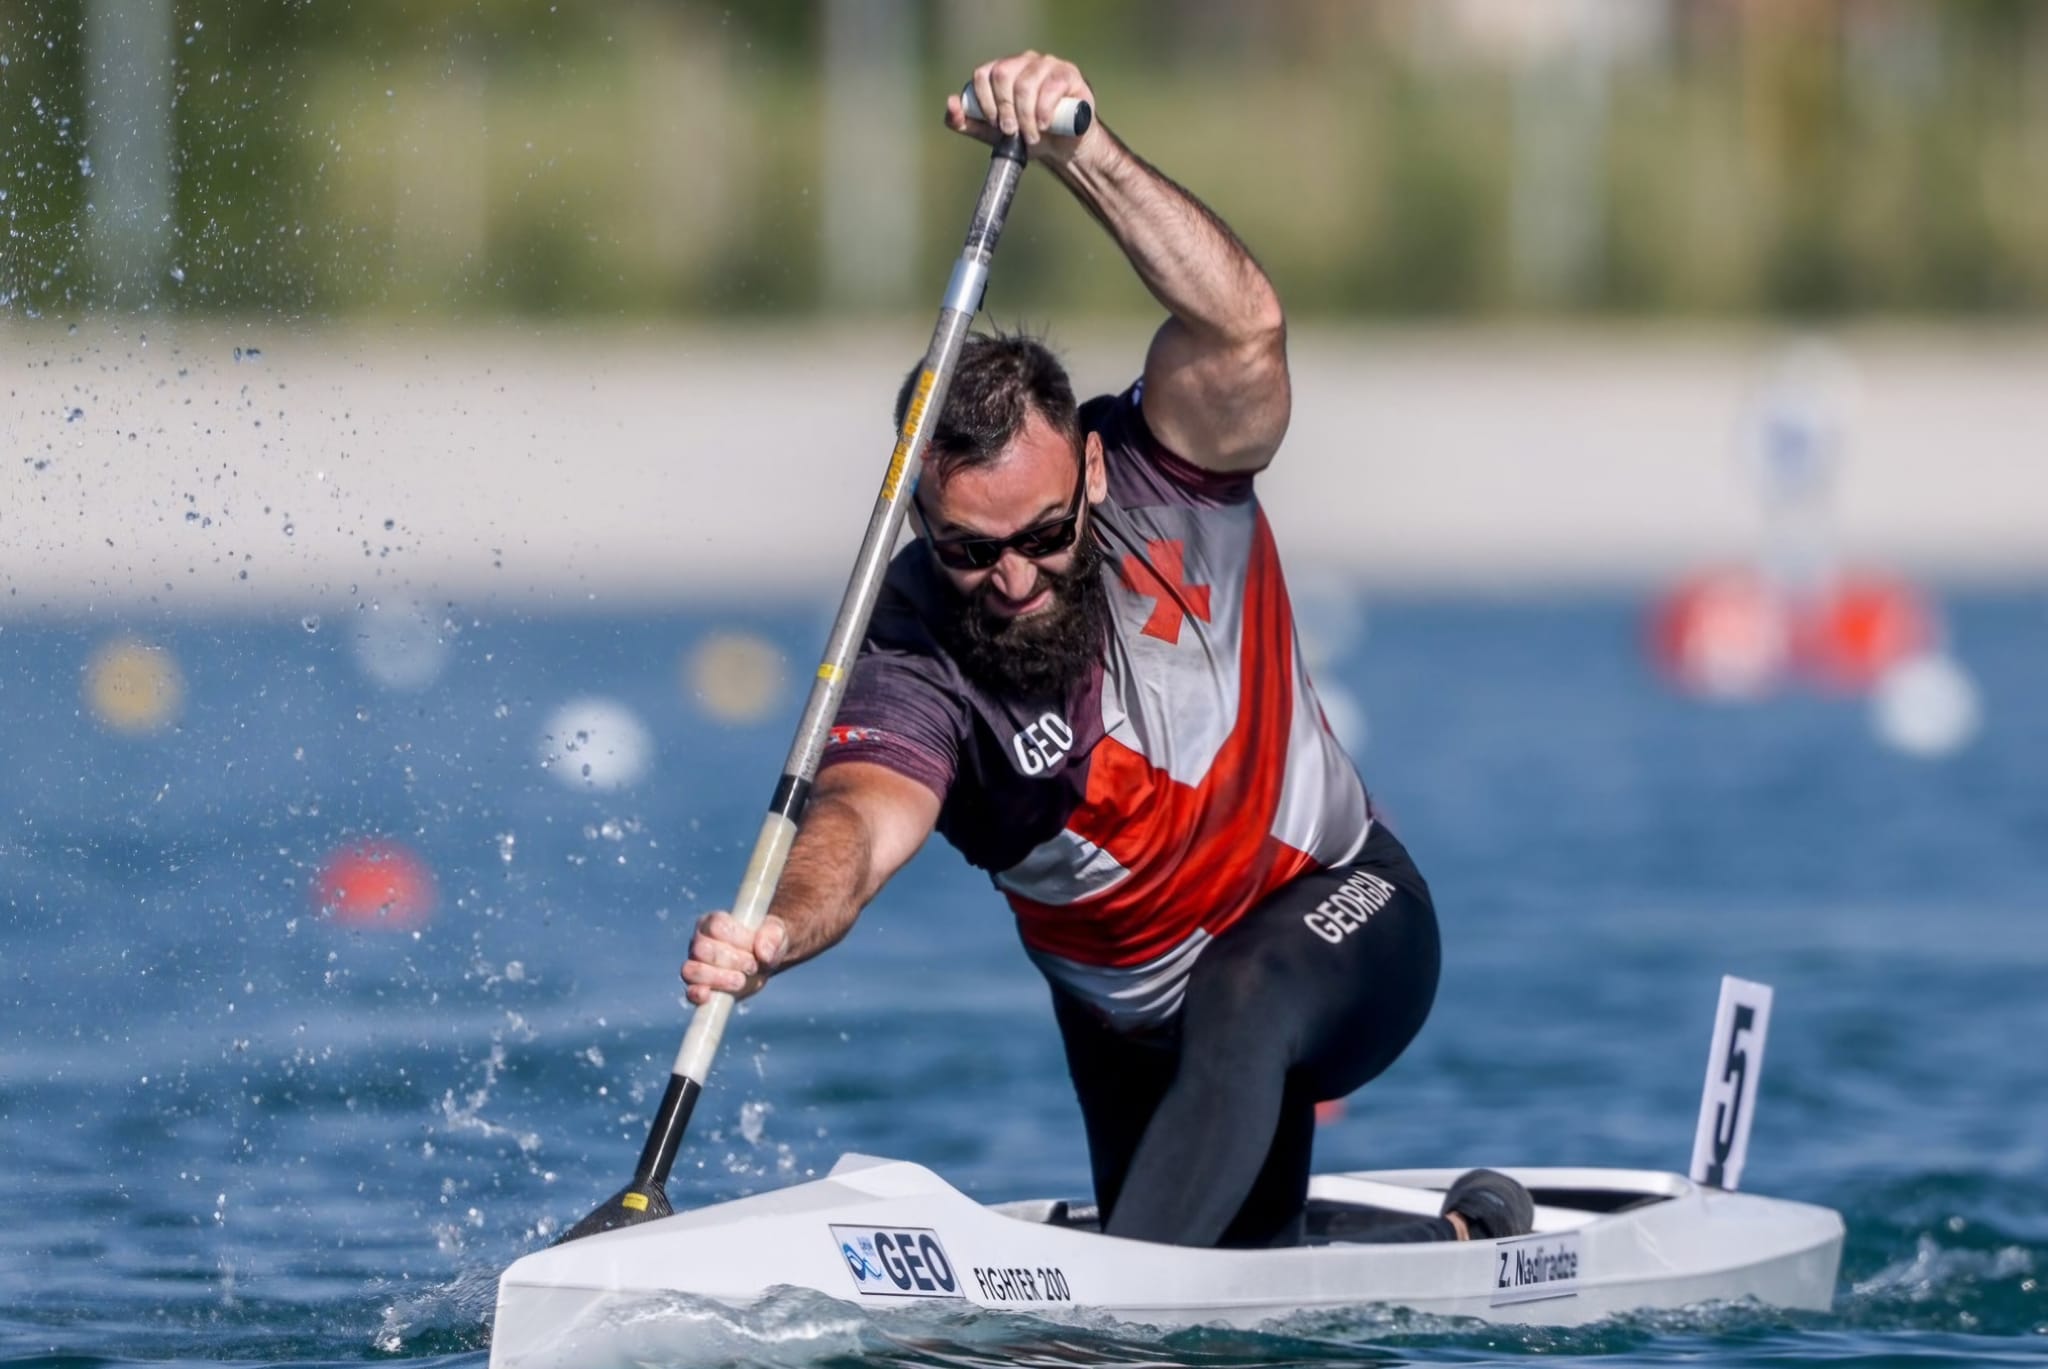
<point x="630" y="1206"/>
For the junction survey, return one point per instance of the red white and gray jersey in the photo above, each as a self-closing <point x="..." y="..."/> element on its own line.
<point x="1190" y="775"/>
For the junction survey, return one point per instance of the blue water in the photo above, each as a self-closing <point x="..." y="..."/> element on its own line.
<point x="235" y="1130"/>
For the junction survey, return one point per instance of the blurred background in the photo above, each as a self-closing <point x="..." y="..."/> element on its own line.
<point x="1557" y="271"/>
<point x="1544" y="261"/>
<point x="436" y="433"/>
<point x="1840" y="159"/>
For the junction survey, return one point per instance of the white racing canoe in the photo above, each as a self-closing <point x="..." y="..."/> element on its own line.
<point x="887" y="1233"/>
<point x="891" y="1234"/>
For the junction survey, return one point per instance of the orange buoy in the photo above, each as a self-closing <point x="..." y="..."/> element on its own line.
<point x="735" y="677"/>
<point x="134" y="687"/>
<point x="1725" y="633"/>
<point x="1859" y="626"/>
<point x="1328" y="1111"/>
<point x="375" y="884"/>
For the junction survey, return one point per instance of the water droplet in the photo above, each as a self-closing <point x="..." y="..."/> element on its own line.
<point x="74" y="415"/>
<point x="753" y="1121"/>
<point x="311" y="622"/>
<point x="290" y="529"/>
<point x="178" y="274"/>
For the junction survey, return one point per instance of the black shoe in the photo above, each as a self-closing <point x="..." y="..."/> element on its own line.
<point x="1492" y="1204"/>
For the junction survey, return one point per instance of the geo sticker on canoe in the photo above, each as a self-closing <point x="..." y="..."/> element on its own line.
<point x="897" y="1262"/>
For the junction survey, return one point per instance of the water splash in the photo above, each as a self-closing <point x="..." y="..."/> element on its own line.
<point x="439" y="1318"/>
<point x="467" y="1115"/>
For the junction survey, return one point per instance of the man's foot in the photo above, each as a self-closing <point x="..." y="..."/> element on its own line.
<point x="1492" y="1204"/>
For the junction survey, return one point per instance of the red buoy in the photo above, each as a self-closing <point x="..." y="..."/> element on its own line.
<point x="1725" y="634"/>
<point x="1859" y="626"/>
<point x="375" y="884"/>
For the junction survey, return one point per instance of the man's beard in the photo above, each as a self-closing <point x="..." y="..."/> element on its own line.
<point x="1045" y="654"/>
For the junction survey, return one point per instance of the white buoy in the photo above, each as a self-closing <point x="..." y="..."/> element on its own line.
<point x="595" y="743"/>
<point x="400" y="646"/>
<point x="1927" y="706"/>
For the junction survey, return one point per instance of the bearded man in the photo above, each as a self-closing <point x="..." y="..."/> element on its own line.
<point x="1084" y="674"/>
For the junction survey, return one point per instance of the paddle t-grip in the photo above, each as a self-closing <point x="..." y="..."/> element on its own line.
<point x="1070" y="117"/>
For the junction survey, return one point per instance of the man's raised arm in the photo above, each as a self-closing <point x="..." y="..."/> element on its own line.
<point x="1216" y="387"/>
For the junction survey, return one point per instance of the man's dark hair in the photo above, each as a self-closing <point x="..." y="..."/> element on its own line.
<point x="1001" y="379"/>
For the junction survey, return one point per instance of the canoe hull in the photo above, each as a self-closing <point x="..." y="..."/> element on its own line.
<point x="888" y="1234"/>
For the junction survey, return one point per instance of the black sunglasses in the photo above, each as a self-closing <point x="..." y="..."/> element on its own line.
<point x="1049" y="538"/>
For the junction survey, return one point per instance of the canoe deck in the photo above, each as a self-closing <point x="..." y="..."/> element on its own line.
<point x="1341" y="1221"/>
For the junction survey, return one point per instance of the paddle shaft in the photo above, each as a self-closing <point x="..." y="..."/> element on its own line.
<point x="778" y="830"/>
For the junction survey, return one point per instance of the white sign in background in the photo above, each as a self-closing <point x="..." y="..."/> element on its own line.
<point x="1735" y="1061"/>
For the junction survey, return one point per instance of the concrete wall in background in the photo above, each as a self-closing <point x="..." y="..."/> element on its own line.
<point x="172" y="470"/>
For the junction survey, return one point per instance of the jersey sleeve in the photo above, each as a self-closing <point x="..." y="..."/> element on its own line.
<point x="1144" y="470"/>
<point x="900" y="712"/>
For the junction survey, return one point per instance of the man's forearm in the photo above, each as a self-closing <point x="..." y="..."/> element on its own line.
<point x="1189" y="259"/>
<point x="827" y="880"/>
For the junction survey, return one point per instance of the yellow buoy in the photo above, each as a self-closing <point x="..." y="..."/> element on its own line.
<point x="133" y="687"/>
<point x="735" y="677"/>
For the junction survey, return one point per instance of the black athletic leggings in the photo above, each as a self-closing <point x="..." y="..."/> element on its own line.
<point x="1199" y="1132"/>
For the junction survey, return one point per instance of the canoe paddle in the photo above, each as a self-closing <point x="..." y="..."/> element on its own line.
<point x="646" y="1198"/>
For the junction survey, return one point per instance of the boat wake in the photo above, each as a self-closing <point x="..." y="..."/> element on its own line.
<point x="442" y="1318"/>
<point x="800" y="1327"/>
<point x="1995" y="1290"/>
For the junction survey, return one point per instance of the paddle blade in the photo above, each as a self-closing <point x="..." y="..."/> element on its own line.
<point x="630" y="1206"/>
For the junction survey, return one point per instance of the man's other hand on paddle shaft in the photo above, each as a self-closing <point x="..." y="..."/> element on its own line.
<point x="862" y="823"/>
